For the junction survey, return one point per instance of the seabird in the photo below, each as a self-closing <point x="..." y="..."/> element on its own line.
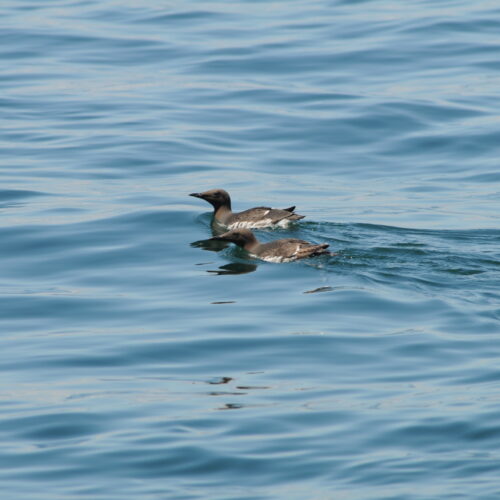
<point x="252" y="218"/>
<point x="284" y="250"/>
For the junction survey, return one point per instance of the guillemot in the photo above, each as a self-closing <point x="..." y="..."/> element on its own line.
<point x="284" y="250"/>
<point x="252" y="218"/>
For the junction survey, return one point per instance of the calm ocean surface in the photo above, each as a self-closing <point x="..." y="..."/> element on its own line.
<point x="139" y="362"/>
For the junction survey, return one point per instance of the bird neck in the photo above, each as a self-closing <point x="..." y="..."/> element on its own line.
<point x="222" y="211"/>
<point x="251" y="245"/>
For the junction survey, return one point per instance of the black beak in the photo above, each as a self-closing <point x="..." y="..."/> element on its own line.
<point x="217" y="238"/>
<point x="196" y="195"/>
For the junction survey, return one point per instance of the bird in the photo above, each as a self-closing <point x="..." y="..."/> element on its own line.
<point x="283" y="250"/>
<point x="257" y="217"/>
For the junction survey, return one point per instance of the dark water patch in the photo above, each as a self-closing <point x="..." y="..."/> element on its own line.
<point x="184" y="17"/>
<point x="407" y="250"/>
<point x="482" y="25"/>
<point x="55" y="426"/>
<point x="486" y="177"/>
<point x="8" y="196"/>
<point x="54" y="309"/>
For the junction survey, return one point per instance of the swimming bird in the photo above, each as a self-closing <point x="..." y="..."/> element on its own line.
<point x="284" y="250"/>
<point x="252" y="218"/>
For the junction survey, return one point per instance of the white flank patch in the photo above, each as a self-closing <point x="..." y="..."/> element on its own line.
<point x="275" y="259"/>
<point x="251" y="224"/>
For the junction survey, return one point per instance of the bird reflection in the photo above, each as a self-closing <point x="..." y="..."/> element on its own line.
<point x="219" y="380"/>
<point x="234" y="268"/>
<point x="231" y="406"/>
<point x="211" y="245"/>
<point x="217" y="246"/>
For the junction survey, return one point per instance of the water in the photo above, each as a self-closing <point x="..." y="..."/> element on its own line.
<point x="138" y="361"/>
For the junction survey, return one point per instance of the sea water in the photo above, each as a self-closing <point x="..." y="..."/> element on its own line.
<point x="139" y="361"/>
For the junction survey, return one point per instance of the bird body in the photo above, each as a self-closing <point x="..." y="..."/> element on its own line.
<point x="257" y="217"/>
<point x="283" y="250"/>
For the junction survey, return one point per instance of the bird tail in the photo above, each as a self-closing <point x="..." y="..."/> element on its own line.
<point x="313" y="250"/>
<point x="295" y="217"/>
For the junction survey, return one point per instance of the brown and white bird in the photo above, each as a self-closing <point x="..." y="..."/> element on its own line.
<point x="284" y="250"/>
<point x="252" y="218"/>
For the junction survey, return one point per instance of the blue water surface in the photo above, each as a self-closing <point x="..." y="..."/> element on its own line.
<point x="139" y="361"/>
